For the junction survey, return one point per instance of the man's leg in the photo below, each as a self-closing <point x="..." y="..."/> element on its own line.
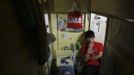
<point x="96" y="69"/>
<point x="87" y="70"/>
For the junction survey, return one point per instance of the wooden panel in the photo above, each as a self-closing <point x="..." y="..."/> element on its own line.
<point x="66" y="5"/>
<point x="119" y="8"/>
<point x="119" y="49"/>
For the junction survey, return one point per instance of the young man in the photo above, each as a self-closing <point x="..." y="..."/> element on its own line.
<point x="91" y="51"/>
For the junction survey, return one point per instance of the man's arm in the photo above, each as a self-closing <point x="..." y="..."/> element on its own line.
<point x="96" y="56"/>
<point x="87" y="56"/>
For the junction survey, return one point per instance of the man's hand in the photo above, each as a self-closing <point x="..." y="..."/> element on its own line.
<point x="90" y="47"/>
<point x="87" y="57"/>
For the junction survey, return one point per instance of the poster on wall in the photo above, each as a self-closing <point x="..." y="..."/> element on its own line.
<point x="61" y="24"/>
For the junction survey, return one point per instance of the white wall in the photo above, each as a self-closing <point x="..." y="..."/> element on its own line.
<point x="99" y="28"/>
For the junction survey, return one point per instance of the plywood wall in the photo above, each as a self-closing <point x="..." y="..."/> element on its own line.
<point x="17" y="56"/>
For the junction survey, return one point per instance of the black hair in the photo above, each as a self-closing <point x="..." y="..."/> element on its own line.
<point x="89" y="34"/>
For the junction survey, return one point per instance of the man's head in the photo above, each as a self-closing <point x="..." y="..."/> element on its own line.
<point x="89" y="36"/>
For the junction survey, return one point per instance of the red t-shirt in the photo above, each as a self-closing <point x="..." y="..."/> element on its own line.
<point x="98" y="47"/>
